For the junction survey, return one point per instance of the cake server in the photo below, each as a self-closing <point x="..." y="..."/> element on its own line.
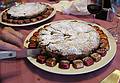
<point x="12" y="54"/>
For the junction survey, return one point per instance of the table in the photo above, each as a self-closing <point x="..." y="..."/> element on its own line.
<point x="22" y="71"/>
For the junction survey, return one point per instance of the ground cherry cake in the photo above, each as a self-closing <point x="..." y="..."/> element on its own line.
<point x="70" y="42"/>
<point x="27" y="13"/>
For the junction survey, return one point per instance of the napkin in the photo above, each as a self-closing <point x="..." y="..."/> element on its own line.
<point x="114" y="77"/>
<point x="75" y="7"/>
<point x="62" y="5"/>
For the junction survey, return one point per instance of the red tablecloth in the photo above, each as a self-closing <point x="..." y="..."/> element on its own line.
<point x="22" y="71"/>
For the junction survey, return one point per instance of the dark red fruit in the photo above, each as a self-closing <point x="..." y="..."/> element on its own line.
<point x="64" y="64"/>
<point x="39" y="17"/>
<point x="36" y="34"/>
<point x="102" y="52"/>
<point x="27" y="21"/>
<point x="88" y="61"/>
<point x="32" y="45"/>
<point x="51" y="62"/>
<point x="20" y="21"/>
<point x="41" y="59"/>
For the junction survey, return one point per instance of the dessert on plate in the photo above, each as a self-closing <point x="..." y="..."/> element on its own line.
<point x="27" y="13"/>
<point x="69" y="42"/>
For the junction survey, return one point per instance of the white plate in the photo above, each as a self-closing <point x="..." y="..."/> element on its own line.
<point x="71" y="71"/>
<point x="32" y="23"/>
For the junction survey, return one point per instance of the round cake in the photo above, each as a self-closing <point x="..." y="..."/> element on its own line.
<point x="69" y="38"/>
<point x="26" y="13"/>
<point x="26" y="9"/>
<point x="69" y="42"/>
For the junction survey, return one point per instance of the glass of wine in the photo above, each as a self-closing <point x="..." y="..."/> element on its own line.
<point x="2" y="6"/>
<point x="94" y="8"/>
<point x="115" y="4"/>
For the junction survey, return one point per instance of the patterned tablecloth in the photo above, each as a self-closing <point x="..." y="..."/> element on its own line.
<point x="22" y="71"/>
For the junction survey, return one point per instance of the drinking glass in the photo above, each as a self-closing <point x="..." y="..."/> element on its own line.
<point x="115" y="4"/>
<point x="2" y="6"/>
<point x="7" y="3"/>
<point x="93" y="8"/>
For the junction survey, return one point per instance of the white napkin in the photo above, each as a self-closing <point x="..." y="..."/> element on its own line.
<point x="62" y="5"/>
<point x="75" y="7"/>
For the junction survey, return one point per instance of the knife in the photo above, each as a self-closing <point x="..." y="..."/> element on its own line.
<point x="23" y="54"/>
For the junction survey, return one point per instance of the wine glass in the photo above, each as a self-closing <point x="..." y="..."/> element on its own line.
<point x="6" y="4"/>
<point x="94" y="8"/>
<point x="2" y="6"/>
<point x="115" y="4"/>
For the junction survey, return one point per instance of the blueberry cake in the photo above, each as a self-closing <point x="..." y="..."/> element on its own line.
<point x="69" y="42"/>
<point x="27" y="13"/>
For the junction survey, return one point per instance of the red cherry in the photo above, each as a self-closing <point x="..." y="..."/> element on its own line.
<point x="41" y="59"/>
<point x="36" y="34"/>
<point x="88" y="61"/>
<point x="32" y="45"/>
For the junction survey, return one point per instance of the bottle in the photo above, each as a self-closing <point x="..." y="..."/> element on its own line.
<point x="106" y="12"/>
<point x="105" y="3"/>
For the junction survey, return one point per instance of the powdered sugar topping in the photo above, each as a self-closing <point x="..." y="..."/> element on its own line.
<point x="26" y="9"/>
<point x="70" y="37"/>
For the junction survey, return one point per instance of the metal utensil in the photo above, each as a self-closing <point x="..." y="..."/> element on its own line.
<point x="12" y="54"/>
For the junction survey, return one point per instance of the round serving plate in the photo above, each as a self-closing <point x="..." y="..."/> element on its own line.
<point x="32" y="23"/>
<point x="71" y="71"/>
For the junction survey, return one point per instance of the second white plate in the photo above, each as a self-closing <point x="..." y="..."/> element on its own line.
<point x="32" y="23"/>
